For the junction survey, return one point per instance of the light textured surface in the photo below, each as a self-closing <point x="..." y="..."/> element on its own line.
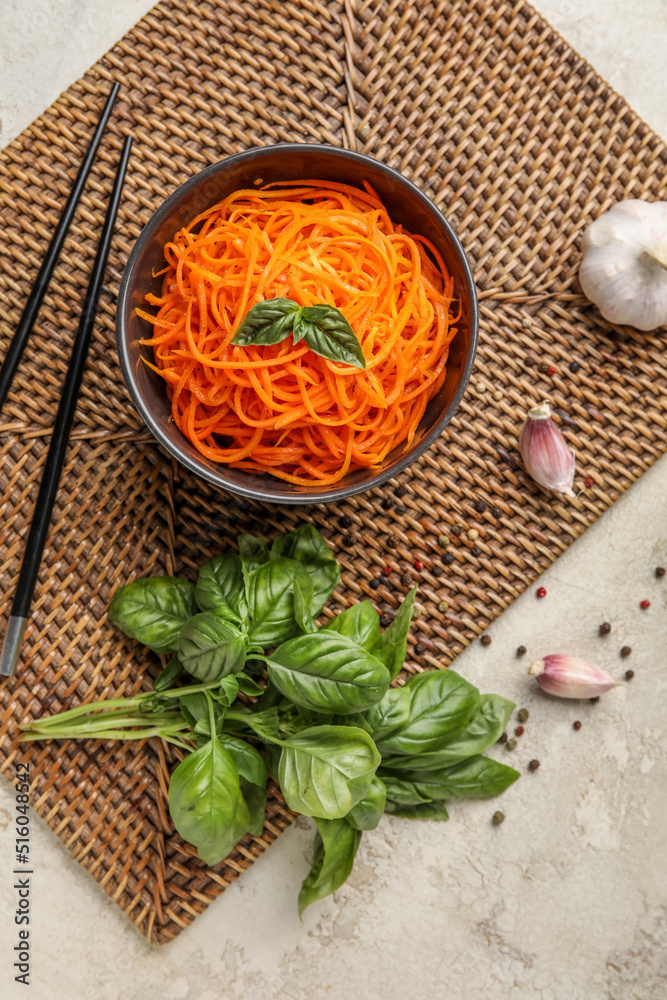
<point x="567" y="900"/>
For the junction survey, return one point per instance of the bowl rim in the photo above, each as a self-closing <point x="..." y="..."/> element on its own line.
<point x="338" y="491"/>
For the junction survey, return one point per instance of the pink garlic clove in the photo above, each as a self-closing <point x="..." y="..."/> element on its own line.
<point x="545" y="453"/>
<point x="570" y="677"/>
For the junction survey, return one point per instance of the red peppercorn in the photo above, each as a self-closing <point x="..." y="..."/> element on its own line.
<point x="576" y="725"/>
<point x="419" y="565"/>
<point x="519" y="731"/>
<point x="644" y="604"/>
<point x="551" y="370"/>
<point x="588" y="482"/>
<point x="386" y="570"/>
<point x="541" y="591"/>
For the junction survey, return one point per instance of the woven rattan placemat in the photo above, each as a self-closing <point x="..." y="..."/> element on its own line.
<point x="519" y="141"/>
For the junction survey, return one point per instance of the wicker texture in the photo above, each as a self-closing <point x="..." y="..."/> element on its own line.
<point x="514" y="135"/>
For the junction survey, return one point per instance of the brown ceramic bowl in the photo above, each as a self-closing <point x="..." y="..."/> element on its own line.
<point x="406" y="205"/>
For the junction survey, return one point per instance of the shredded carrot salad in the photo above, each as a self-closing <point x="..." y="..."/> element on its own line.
<point x="282" y="409"/>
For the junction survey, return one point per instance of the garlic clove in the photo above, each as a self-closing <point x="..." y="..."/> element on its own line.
<point x="546" y="455"/>
<point x="624" y="264"/>
<point x="570" y="677"/>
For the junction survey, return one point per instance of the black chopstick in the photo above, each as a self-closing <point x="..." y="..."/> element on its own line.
<point x="27" y="321"/>
<point x="60" y="437"/>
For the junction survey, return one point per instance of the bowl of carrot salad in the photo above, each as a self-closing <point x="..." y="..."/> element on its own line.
<point x="297" y="323"/>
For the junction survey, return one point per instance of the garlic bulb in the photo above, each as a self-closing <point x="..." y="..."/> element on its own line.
<point x="570" y="676"/>
<point x="624" y="264"/>
<point x="545" y="453"/>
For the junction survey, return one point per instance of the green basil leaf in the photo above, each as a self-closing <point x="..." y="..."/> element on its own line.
<point x="390" y="714"/>
<point x="194" y="708"/>
<point x="168" y="677"/>
<point x="267" y="322"/>
<point x="367" y="814"/>
<point x="248" y="760"/>
<point x="253" y="550"/>
<point x="270" y="593"/>
<point x="210" y="647"/>
<point x="248" y="685"/>
<point x="361" y="623"/>
<point x="154" y="610"/>
<point x="327" y="672"/>
<point x="326" y="770"/>
<point x="327" y="332"/>
<point x="306" y="545"/>
<point x="425" y="810"/>
<point x="206" y="803"/>
<point x="486" y="725"/>
<point x="302" y="604"/>
<point x="227" y="691"/>
<point x="336" y="845"/>
<point x="475" y="778"/>
<point x="255" y="800"/>
<point x="220" y="587"/>
<point x="441" y="704"/>
<point x="394" y="640"/>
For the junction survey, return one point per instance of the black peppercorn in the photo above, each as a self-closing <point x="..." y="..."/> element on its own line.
<point x="574" y="367"/>
<point x="437" y="570"/>
<point x="406" y="580"/>
<point x="521" y="651"/>
<point x="400" y="491"/>
<point x="629" y="674"/>
<point x="345" y="521"/>
<point x="374" y="584"/>
<point x="496" y="511"/>
<point x="626" y="651"/>
<point x="660" y="572"/>
<point x="486" y="640"/>
<point x="530" y="362"/>
<point x="387" y="504"/>
<point x="576" y="725"/>
<point x="605" y="628"/>
<point x="386" y="619"/>
<point x="392" y="542"/>
<point x="457" y="529"/>
<point x="400" y="509"/>
<point x="448" y="558"/>
<point x="533" y="765"/>
<point x="420" y="648"/>
<point x="543" y="367"/>
<point x="476" y="551"/>
<point x="503" y="738"/>
<point x="480" y="506"/>
<point x="347" y="540"/>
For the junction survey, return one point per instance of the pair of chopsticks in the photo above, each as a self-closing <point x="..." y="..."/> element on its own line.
<point x="63" y="423"/>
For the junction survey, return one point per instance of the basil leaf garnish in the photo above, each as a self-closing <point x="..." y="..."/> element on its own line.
<point x="267" y="322"/>
<point x="328" y="333"/>
<point x="323" y="327"/>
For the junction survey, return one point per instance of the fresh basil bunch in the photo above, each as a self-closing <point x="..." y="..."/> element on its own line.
<point x="344" y="746"/>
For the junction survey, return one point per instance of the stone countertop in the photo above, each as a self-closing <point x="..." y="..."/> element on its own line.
<point x="567" y="900"/>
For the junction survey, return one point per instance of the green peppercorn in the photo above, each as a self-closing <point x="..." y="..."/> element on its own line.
<point x="498" y="818"/>
<point x="522" y="715"/>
